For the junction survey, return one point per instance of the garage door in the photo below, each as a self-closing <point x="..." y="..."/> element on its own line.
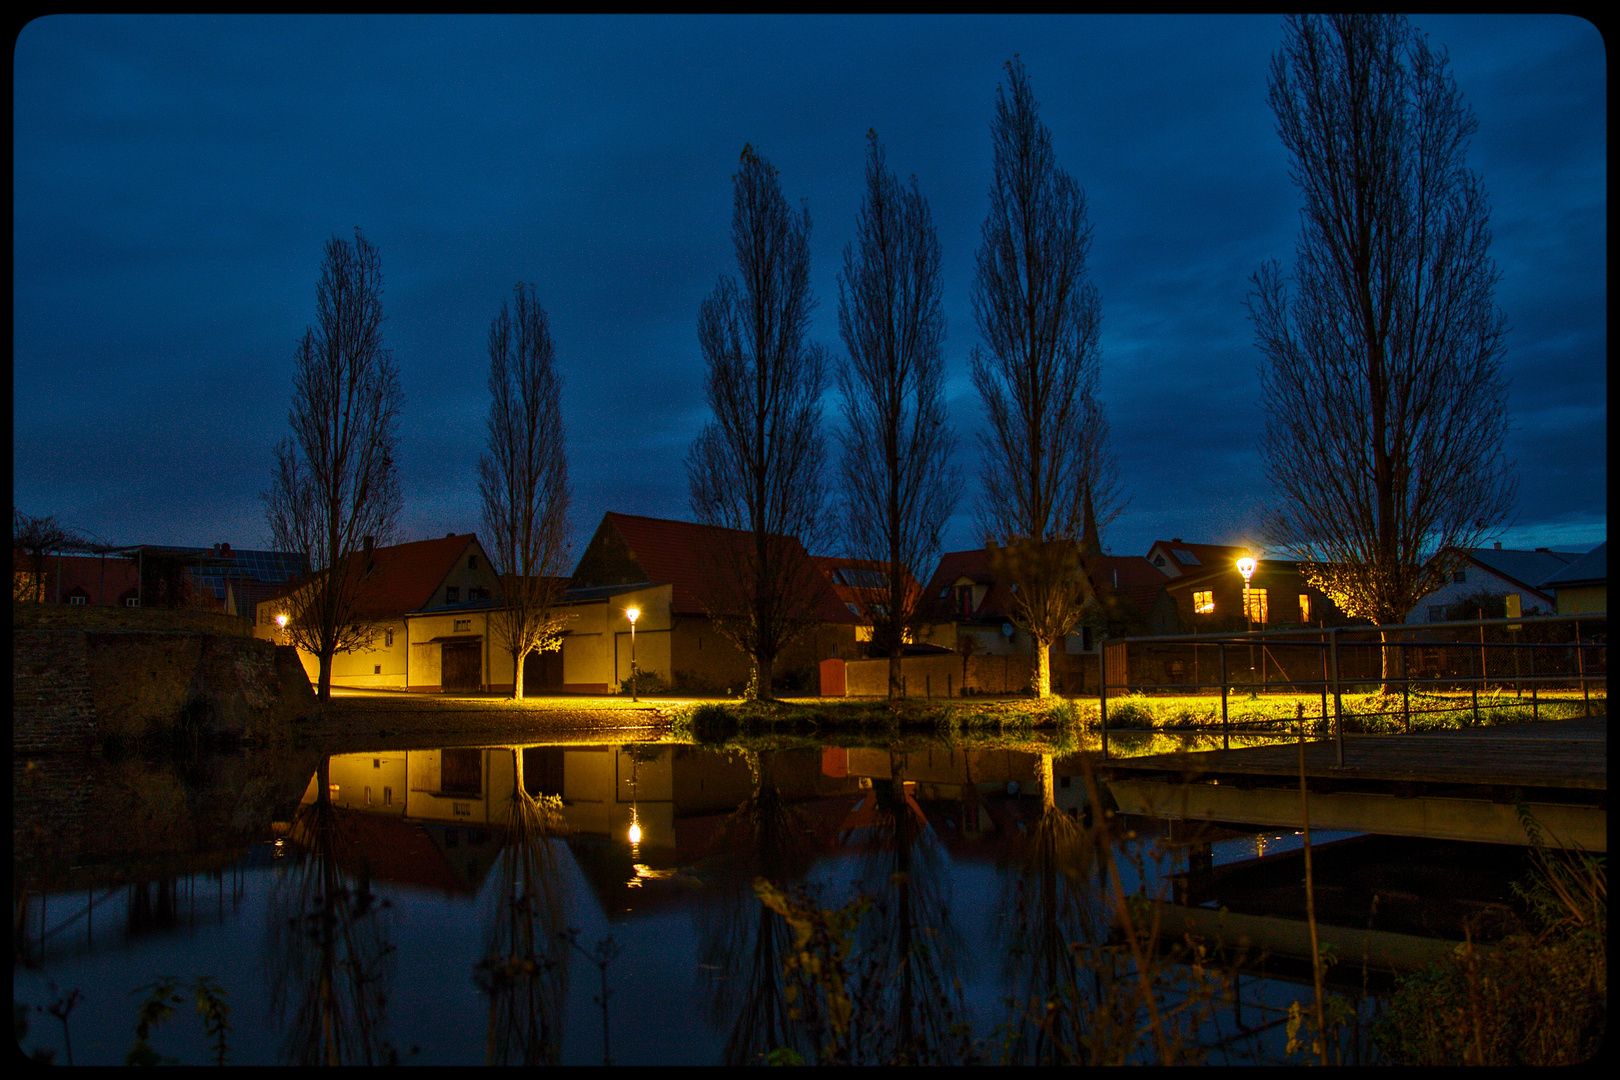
<point x="462" y="664"/>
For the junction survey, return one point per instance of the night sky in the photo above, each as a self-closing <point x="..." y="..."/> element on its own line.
<point x="176" y="178"/>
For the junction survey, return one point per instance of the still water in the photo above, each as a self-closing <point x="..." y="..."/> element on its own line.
<point x="477" y="905"/>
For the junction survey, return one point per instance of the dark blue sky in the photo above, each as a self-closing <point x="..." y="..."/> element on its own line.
<point x="175" y="179"/>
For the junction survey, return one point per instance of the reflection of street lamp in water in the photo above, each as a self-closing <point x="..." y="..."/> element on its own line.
<point x="1246" y="567"/>
<point x="632" y="614"/>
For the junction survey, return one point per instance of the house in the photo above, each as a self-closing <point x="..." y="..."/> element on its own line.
<point x="429" y="605"/>
<point x="217" y="578"/>
<point x="1479" y="575"/>
<point x="1582" y="585"/>
<point x="673" y="572"/>
<point x="107" y="579"/>
<point x="862" y="586"/>
<point x="974" y="611"/>
<point x="1210" y="595"/>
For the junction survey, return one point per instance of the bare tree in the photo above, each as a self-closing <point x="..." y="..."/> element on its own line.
<point x="32" y="540"/>
<point x="335" y="488"/>
<point x="757" y="466"/>
<point x="1037" y="374"/>
<point x="898" y="485"/>
<point x="1384" y="397"/>
<point x="523" y="479"/>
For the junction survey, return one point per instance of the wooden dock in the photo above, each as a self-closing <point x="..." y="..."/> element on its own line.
<point x="1461" y="785"/>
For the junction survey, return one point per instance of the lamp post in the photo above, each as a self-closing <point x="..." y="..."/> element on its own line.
<point x="1246" y="567"/>
<point x="281" y="629"/>
<point x="632" y="614"/>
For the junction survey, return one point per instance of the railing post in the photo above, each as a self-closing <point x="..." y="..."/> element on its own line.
<point x="1226" y="735"/>
<point x="1406" y="692"/>
<point x="1338" y="699"/>
<point x="1324" y="649"/>
<point x="1473" y="684"/>
<point x="1580" y="665"/>
<point x="1102" y="696"/>
<point x="1535" y="687"/>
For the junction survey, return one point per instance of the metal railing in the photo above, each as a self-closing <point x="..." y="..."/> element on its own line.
<point x="1442" y="660"/>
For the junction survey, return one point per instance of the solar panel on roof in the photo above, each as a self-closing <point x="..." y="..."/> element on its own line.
<point x="1184" y="556"/>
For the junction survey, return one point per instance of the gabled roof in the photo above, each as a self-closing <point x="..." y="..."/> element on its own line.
<point x="404" y="577"/>
<point x="1131" y="577"/>
<point x="848" y="577"/>
<point x="1523" y="568"/>
<point x="1183" y="558"/>
<point x="686" y="555"/>
<point x="1589" y="569"/>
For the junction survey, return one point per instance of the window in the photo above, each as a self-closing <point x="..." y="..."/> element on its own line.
<point x="1204" y="602"/>
<point x="452" y="594"/>
<point x="477" y="594"/>
<point x="1256" y="606"/>
<point x="1460" y="577"/>
<point x="376" y="669"/>
<point x="472" y="562"/>
<point x="75" y="599"/>
<point x="388" y="639"/>
<point x="1304" y="607"/>
<point x="132" y="601"/>
<point x="368" y="794"/>
<point x="462" y="626"/>
<point x="1437" y="613"/>
<point x="388" y="796"/>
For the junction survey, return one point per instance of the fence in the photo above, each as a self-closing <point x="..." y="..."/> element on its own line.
<point x="1438" y="659"/>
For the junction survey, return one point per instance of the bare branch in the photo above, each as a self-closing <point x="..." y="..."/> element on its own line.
<point x="334" y="483"/>
<point x="757" y="466"/>
<point x="523" y="480"/>
<point x="1385" y="401"/>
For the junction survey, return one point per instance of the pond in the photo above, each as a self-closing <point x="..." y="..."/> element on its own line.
<point x="649" y="903"/>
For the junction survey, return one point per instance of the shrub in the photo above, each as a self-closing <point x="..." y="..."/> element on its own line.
<point x="647" y="682"/>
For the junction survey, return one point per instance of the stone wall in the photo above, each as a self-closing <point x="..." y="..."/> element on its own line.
<point x="73" y="690"/>
<point x="97" y="617"/>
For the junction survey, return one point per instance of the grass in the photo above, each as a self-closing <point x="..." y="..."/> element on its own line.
<point x="1366" y="713"/>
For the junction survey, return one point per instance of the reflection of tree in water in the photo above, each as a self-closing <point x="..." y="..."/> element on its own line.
<point x="907" y="999"/>
<point x="330" y="959"/>
<point x="523" y="972"/>
<point x="1052" y="908"/>
<point x="743" y="942"/>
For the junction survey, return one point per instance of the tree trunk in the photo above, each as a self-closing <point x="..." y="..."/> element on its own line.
<point x="517" y="673"/>
<point x="1043" y="668"/>
<point x="324" y="681"/>
<point x="762" y="678"/>
<point x="894" y="676"/>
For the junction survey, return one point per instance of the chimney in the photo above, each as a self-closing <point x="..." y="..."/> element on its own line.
<point x="1499" y="545"/>
<point x="1175" y="540"/>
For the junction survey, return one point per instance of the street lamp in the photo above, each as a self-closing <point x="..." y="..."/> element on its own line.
<point x="632" y="614"/>
<point x="281" y="628"/>
<point x="1246" y="567"/>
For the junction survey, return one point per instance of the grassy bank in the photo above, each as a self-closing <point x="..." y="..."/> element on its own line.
<point x="1363" y="713"/>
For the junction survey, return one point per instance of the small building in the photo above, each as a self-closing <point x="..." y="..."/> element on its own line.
<point x="428" y="604"/>
<point x="1482" y="575"/>
<point x="675" y="572"/>
<point x="1211" y="596"/>
<point x="1582" y="585"/>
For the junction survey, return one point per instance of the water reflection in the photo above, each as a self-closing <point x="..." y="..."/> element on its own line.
<point x="741" y="942"/>
<point x="909" y="948"/>
<point x="523" y="971"/>
<point x="327" y="942"/>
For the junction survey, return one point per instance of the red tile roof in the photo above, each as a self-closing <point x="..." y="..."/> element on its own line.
<point x="1134" y="579"/>
<point x="405" y="576"/>
<point x="859" y="595"/>
<point x="687" y="556"/>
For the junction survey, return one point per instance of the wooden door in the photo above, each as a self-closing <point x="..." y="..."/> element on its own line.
<point x="461" y="666"/>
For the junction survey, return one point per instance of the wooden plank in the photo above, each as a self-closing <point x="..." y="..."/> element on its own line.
<point x="1457" y="758"/>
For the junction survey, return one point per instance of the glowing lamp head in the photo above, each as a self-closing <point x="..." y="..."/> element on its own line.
<point x="632" y="614"/>
<point x="1246" y="567"/>
<point x="281" y="621"/>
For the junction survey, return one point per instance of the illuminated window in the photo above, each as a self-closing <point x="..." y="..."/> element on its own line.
<point x="1204" y="602"/>
<point x="1256" y="599"/>
<point x="1304" y="607"/>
